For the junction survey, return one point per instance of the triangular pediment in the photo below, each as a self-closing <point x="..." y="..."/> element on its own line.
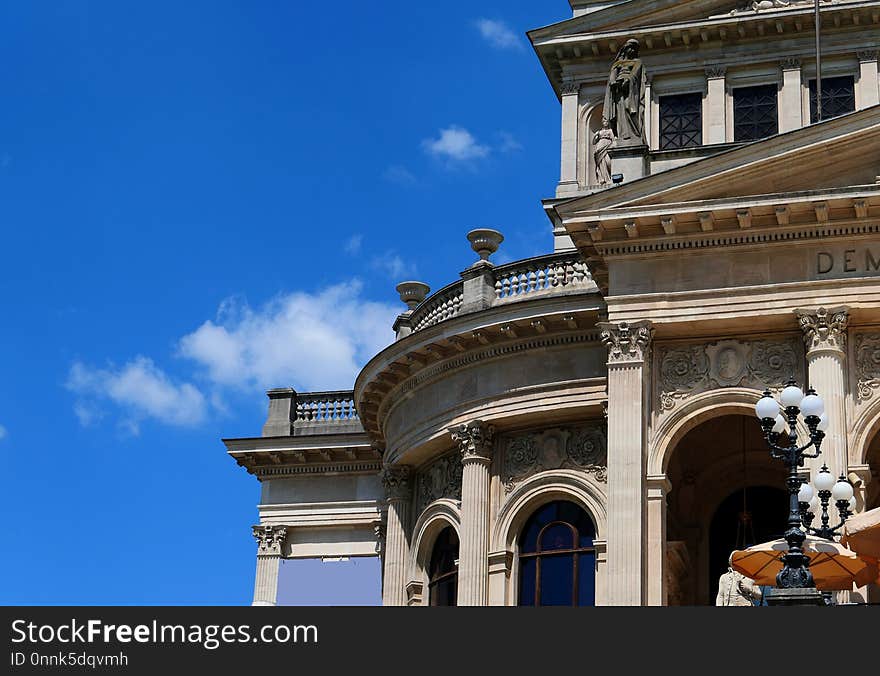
<point x="637" y="14"/>
<point x="837" y="153"/>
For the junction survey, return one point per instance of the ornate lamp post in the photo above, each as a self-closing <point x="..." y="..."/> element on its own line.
<point x="811" y="500"/>
<point x="779" y="421"/>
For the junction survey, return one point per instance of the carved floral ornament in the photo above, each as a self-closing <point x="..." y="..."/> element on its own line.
<point x="824" y="328"/>
<point x="440" y="479"/>
<point x="626" y="341"/>
<point x="474" y="440"/>
<point x="867" y="358"/>
<point x="270" y="539"/>
<point x="685" y="370"/>
<point x="396" y="481"/>
<point x="583" y="447"/>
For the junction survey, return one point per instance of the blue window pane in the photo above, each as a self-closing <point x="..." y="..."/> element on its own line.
<point x="587" y="579"/>
<point x="527" y="582"/>
<point x="557" y="536"/>
<point x="557" y="580"/>
<point x="533" y="527"/>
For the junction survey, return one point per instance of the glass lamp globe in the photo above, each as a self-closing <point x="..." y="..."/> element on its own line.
<point x="852" y="504"/>
<point x="812" y="404"/>
<point x="842" y="490"/>
<point x="814" y="504"/>
<point x="780" y="425"/>
<point x="766" y="408"/>
<point x="805" y="494"/>
<point x="791" y="396"/>
<point x="823" y="423"/>
<point x="824" y="480"/>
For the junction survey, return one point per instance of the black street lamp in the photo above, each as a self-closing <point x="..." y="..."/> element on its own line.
<point x="779" y="422"/>
<point x="811" y="500"/>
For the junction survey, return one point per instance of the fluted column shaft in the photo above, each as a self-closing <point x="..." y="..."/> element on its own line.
<point x="825" y="339"/>
<point x="658" y="489"/>
<point x="270" y="541"/>
<point x="475" y="444"/>
<point x="628" y="354"/>
<point x="398" y="493"/>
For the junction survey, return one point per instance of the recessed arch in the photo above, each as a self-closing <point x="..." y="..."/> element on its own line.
<point x="436" y="516"/>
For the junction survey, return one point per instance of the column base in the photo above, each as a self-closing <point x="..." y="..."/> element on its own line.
<point x="809" y="596"/>
<point x="263" y="603"/>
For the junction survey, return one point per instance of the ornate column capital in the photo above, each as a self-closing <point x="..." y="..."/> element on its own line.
<point x="626" y="341"/>
<point x="474" y="440"/>
<point x="790" y="63"/>
<point x="824" y="328"/>
<point x="867" y="55"/>
<point x="570" y="88"/>
<point x="715" y="71"/>
<point x="396" y="481"/>
<point x="270" y="539"/>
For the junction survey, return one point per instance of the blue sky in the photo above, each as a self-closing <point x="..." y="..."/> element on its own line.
<point x="203" y="200"/>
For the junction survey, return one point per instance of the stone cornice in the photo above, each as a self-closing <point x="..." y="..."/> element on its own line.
<point x="475" y="441"/>
<point x="270" y="539"/>
<point x="627" y="342"/>
<point x="824" y="328"/>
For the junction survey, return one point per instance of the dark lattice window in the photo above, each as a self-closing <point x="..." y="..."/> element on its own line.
<point x="443" y="571"/>
<point x="681" y="121"/>
<point x="754" y="113"/>
<point x="838" y="97"/>
<point x="557" y="561"/>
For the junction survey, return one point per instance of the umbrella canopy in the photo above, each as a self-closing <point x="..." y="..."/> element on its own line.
<point x="862" y="533"/>
<point x="834" y="567"/>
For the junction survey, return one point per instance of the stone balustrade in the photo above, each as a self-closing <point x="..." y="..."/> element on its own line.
<point x="522" y="280"/>
<point x="545" y="273"/>
<point x="292" y="412"/>
<point x="325" y="407"/>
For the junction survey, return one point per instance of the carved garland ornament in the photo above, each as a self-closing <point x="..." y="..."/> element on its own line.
<point x="583" y="448"/>
<point x="440" y="479"/>
<point x="688" y="369"/>
<point x="270" y="539"/>
<point x="867" y="357"/>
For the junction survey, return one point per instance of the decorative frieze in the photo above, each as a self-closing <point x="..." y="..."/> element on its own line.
<point x="626" y="341"/>
<point x="684" y="370"/>
<point x="867" y="358"/>
<point x="270" y="539"/>
<point x="440" y="479"/>
<point x="396" y="481"/>
<point x="824" y="328"/>
<point x="474" y="440"/>
<point x="583" y="447"/>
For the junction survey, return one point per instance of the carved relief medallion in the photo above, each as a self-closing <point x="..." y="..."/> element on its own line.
<point x="440" y="479"/>
<point x="583" y="447"/>
<point x="867" y="357"/>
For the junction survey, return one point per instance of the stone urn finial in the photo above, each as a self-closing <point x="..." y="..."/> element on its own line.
<point x="485" y="242"/>
<point x="413" y="293"/>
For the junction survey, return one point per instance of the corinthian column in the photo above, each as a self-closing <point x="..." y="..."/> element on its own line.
<point x="270" y="540"/>
<point x="628" y="356"/>
<point x="825" y="339"/>
<point x="474" y="440"/>
<point x="398" y="493"/>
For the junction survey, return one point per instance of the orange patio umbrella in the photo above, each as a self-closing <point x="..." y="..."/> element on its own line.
<point x="861" y="533"/>
<point x="834" y="567"/>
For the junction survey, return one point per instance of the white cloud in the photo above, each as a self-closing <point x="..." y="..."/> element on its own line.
<point x="498" y="34"/>
<point x="399" y="174"/>
<point x="455" y="143"/>
<point x="308" y="341"/>
<point x="393" y="266"/>
<point x="3" y="433"/>
<point x="140" y="389"/>
<point x="509" y="143"/>
<point x="353" y="244"/>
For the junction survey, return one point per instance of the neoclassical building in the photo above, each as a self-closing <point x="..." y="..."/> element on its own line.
<point x="578" y="428"/>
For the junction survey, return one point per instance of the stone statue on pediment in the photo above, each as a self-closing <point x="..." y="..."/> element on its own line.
<point x="769" y="5"/>
<point x="602" y="142"/>
<point x="625" y="96"/>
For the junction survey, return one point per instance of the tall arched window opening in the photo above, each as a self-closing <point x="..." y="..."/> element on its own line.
<point x="557" y="561"/>
<point x="443" y="569"/>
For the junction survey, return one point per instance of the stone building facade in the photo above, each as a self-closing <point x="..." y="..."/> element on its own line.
<point x="587" y="416"/>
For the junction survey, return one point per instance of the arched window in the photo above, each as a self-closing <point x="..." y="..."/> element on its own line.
<point x="557" y="562"/>
<point x="443" y="569"/>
